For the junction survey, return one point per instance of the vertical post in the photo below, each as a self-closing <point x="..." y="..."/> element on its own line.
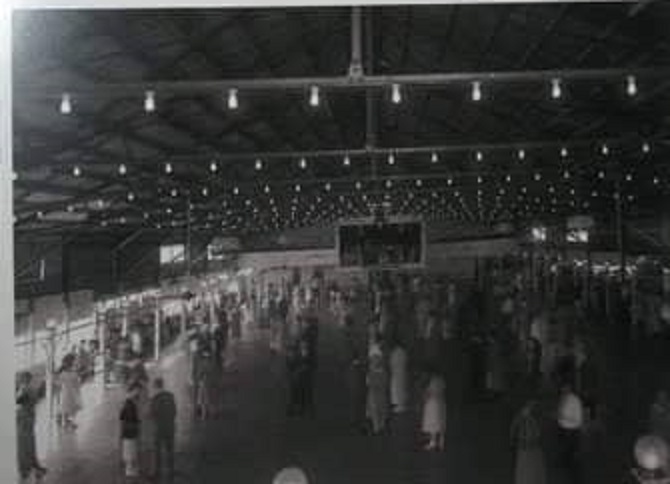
<point x="157" y="333"/>
<point x="620" y="236"/>
<point x="31" y="330"/>
<point x="188" y="237"/>
<point x="184" y="317"/>
<point x="356" y="65"/>
<point x="102" y="343"/>
<point x="124" y="317"/>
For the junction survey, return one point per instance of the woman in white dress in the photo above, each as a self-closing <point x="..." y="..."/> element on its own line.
<point x="526" y="438"/>
<point x="398" y="378"/>
<point x="70" y="392"/>
<point x="435" y="413"/>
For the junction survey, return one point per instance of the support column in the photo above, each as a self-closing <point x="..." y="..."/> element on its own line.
<point x="124" y="318"/>
<point x="356" y="65"/>
<point x="157" y="333"/>
<point x="188" y="248"/>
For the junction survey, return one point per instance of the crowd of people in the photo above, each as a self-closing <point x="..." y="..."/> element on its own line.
<point x="401" y="333"/>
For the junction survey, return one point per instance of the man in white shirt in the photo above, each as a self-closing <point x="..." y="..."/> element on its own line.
<point x="570" y="425"/>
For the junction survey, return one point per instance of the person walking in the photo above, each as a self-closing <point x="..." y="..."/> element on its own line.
<point x="434" y="413"/>
<point x="570" y="426"/>
<point x="526" y="438"/>
<point x="163" y="415"/>
<point x="130" y="433"/>
<point x="378" y="390"/>
<point x="398" y="378"/>
<point x="26" y="400"/>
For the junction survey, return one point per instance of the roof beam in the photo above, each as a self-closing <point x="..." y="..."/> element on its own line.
<point x="50" y="91"/>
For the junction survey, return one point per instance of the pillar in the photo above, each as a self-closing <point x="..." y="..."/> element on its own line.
<point x="157" y="333"/>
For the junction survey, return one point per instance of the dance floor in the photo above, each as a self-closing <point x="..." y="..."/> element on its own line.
<point x="253" y="438"/>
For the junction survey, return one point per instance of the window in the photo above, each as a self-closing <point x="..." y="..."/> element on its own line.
<point x="172" y="254"/>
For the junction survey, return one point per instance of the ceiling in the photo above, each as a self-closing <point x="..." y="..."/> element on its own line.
<point x="276" y="161"/>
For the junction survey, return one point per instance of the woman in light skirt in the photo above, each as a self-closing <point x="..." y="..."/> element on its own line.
<point x="526" y="438"/>
<point x="70" y="392"/>
<point x="378" y="390"/>
<point x="435" y="413"/>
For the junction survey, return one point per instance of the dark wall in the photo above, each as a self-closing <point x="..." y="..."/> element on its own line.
<point x="105" y="265"/>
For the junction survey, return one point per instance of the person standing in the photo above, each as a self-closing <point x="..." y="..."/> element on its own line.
<point x="130" y="433"/>
<point x="398" y="378"/>
<point x="378" y="389"/>
<point x="527" y="440"/>
<point x="26" y="400"/>
<point x="570" y="426"/>
<point x="163" y="414"/>
<point x="70" y="392"/>
<point x="435" y="413"/>
<point x="659" y="416"/>
<point x="298" y="374"/>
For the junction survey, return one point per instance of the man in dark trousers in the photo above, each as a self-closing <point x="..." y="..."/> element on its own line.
<point x="163" y="413"/>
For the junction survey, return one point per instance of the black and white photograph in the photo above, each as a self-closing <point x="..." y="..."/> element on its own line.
<point x="327" y="244"/>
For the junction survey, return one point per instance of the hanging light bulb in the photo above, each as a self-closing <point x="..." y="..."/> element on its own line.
<point x="479" y="156"/>
<point x="205" y="192"/>
<point x="556" y="91"/>
<point x="346" y="161"/>
<point x="213" y="167"/>
<point x="267" y="189"/>
<point x="314" y="98"/>
<point x="564" y="152"/>
<point x="605" y="150"/>
<point x="327" y="187"/>
<point x="76" y="171"/>
<point x="122" y="169"/>
<point x="476" y="91"/>
<point x="419" y="183"/>
<point x="450" y="181"/>
<point x="396" y="95"/>
<point x="391" y="159"/>
<point x="236" y="191"/>
<point x="259" y="165"/>
<point x="65" y="104"/>
<point x="646" y="148"/>
<point x="131" y="196"/>
<point x="303" y="163"/>
<point x="434" y="158"/>
<point x="174" y="192"/>
<point x="631" y="86"/>
<point x="232" y="99"/>
<point x="149" y="101"/>
<point x="358" y="185"/>
<point x="522" y="154"/>
<point x="168" y="168"/>
<point x="297" y="188"/>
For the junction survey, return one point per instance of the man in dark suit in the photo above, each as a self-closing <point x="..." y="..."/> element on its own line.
<point x="163" y="413"/>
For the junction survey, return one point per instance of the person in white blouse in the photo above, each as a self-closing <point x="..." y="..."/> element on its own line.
<point x="570" y="421"/>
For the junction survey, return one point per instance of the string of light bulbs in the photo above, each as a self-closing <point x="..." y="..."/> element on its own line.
<point x="395" y="85"/>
